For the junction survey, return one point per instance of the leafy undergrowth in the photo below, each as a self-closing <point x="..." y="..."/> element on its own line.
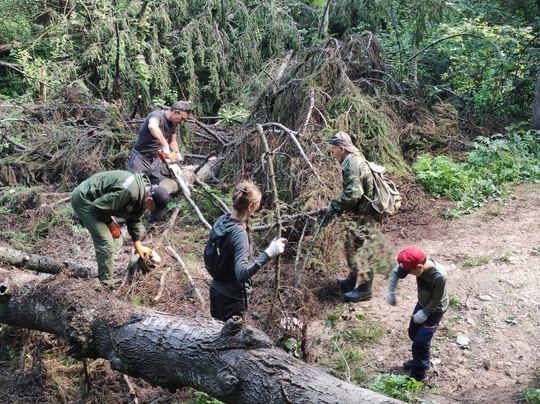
<point x="493" y="165"/>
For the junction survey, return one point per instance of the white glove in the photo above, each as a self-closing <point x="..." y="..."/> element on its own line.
<point x="419" y="317"/>
<point x="166" y="150"/>
<point x="276" y="247"/>
<point x="390" y="298"/>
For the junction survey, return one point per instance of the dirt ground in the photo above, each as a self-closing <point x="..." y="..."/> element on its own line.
<point x="493" y="262"/>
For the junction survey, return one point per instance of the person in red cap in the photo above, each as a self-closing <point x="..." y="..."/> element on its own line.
<point x="366" y="248"/>
<point x="431" y="280"/>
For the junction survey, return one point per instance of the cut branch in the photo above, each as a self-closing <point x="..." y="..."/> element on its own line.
<point x="209" y="131"/>
<point x="292" y="134"/>
<point x="34" y="262"/>
<point x="186" y="272"/>
<point x="25" y="148"/>
<point x="290" y="218"/>
<point x="275" y="200"/>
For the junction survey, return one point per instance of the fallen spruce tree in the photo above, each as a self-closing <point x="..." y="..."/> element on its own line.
<point x="232" y="362"/>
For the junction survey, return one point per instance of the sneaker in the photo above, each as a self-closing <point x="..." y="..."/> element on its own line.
<point x="407" y="365"/>
<point x="418" y="376"/>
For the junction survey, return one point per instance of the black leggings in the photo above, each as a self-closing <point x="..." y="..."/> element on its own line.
<point x="224" y="307"/>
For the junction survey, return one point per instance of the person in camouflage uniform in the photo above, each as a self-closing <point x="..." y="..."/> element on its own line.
<point x="364" y="242"/>
<point x="121" y="194"/>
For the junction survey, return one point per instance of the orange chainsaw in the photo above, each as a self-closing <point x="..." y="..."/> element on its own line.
<point x="175" y="172"/>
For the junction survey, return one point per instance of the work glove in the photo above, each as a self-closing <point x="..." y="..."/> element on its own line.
<point x="114" y="229"/>
<point x="173" y="156"/>
<point x="276" y="247"/>
<point x="392" y="285"/>
<point x="419" y="317"/>
<point x="144" y="252"/>
<point x="328" y="215"/>
<point x="391" y="298"/>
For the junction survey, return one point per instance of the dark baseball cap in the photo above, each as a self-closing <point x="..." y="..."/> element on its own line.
<point x="343" y="139"/>
<point x="161" y="198"/>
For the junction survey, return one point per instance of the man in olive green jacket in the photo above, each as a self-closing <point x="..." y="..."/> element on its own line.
<point x="361" y="221"/>
<point x="121" y="194"/>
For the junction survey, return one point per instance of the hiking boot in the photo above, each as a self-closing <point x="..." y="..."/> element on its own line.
<point x="419" y="376"/>
<point x="360" y="294"/>
<point x="408" y="365"/>
<point x="346" y="284"/>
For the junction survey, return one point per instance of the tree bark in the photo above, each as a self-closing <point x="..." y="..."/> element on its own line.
<point x="232" y="362"/>
<point x="34" y="262"/>
<point x="535" y="116"/>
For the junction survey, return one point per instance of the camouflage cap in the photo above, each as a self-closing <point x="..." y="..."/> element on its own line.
<point x="343" y="139"/>
<point x="182" y="106"/>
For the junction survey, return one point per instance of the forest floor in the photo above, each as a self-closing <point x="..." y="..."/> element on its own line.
<point x="493" y="262"/>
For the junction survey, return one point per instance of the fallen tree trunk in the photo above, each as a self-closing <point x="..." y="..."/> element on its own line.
<point x="34" y="262"/>
<point x="232" y="362"/>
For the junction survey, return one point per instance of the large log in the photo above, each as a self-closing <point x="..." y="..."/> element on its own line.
<point x="34" y="262"/>
<point x="232" y="362"/>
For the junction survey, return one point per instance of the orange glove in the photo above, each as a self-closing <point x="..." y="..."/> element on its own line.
<point x="173" y="156"/>
<point x="114" y="229"/>
<point x="144" y="252"/>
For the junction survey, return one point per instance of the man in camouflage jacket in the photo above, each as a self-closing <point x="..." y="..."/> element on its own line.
<point x="361" y="222"/>
<point x="121" y="194"/>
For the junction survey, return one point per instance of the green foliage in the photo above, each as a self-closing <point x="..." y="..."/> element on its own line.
<point x="293" y="346"/>
<point x="399" y="387"/>
<point x="364" y="335"/>
<point x="19" y="19"/>
<point x="11" y="85"/>
<point x="166" y="50"/>
<point x="491" y="167"/>
<point x="140" y="301"/>
<point x="232" y="115"/>
<point x="441" y="176"/>
<point x="332" y="319"/>
<point x="531" y="395"/>
<point x="222" y="44"/>
<point x="487" y="65"/>
<point x="470" y="262"/>
<point x="200" y="397"/>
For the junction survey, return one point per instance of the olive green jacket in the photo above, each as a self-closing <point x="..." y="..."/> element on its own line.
<point x="116" y="193"/>
<point x="357" y="182"/>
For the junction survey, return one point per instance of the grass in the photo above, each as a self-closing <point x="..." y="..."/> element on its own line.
<point x="345" y="357"/>
<point x="368" y="333"/>
<point x="400" y="387"/>
<point x="475" y="262"/>
<point x="530" y="395"/>
<point x="455" y="302"/>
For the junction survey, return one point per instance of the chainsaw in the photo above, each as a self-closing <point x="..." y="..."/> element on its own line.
<point x="173" y="167"/>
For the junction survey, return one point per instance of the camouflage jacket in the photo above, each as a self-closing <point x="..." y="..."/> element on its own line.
<point x="357" y="182"/>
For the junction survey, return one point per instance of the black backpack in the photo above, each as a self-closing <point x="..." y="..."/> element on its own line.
<point x="219" y="258"/>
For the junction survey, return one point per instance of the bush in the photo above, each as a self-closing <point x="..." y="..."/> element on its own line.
<point x="491" y="167"/>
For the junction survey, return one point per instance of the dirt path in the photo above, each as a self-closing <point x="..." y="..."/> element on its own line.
<point x="493" y="261"/>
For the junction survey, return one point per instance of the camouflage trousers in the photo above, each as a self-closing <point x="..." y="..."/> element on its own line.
<point x="367" y="249"/>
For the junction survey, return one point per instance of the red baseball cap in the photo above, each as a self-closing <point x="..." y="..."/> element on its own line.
<point x="409" y="258"/>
